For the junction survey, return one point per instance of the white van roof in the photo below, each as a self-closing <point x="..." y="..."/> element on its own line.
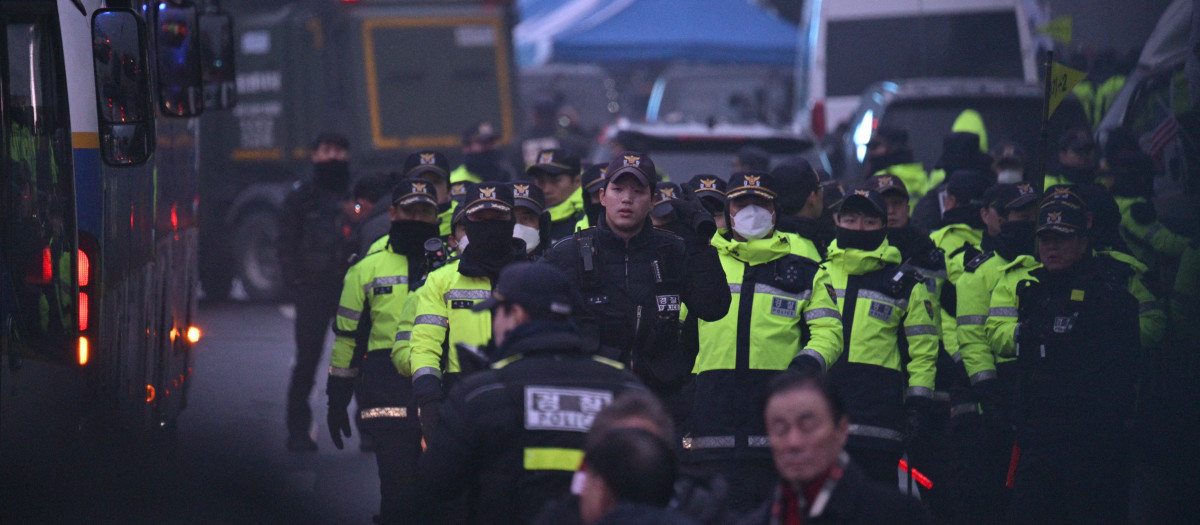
<point x="846" y="9"/>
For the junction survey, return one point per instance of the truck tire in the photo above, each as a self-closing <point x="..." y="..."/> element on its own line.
<point x="257" y="255"/>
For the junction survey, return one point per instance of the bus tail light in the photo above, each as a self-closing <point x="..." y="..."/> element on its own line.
<point x="193" y="334"/>
<point x="83" y="311"/>
<point x="84" y="350"/>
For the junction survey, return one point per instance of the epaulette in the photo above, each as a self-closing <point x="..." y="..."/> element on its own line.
<point x="978" y="261"/>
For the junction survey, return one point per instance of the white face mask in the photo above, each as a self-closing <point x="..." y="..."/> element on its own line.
<point x="1009" y="176"/>
<point x="462" y="243"/>
<point x="753" y="222"/>
<point x="530" y="235"/>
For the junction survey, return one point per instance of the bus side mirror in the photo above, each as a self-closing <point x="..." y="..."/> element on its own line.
<point x="126" y="115"/>
<point x="180" y="84"/>
<point x="216" y="60"/>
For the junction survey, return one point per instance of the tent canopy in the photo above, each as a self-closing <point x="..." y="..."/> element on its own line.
<point x="715" y="31"/>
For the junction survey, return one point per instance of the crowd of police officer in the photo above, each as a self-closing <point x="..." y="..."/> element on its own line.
<point x="1006" y="360"/>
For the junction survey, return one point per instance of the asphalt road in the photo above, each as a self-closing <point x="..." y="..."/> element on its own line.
<point x="227" y="464"/>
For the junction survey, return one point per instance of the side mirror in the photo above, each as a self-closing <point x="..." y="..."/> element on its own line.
<point x="216" y="60"/>
<point x="119" y="57"/>
<point x="179" y="72"/>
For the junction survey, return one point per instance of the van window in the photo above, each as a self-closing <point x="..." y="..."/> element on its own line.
<point x="861" y="52"/>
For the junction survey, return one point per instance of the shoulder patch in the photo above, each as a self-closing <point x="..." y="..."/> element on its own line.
<point x="978" y="260"/>
<point x="564" y="409"/>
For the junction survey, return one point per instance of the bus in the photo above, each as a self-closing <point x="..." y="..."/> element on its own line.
<point x="98" y="247"/>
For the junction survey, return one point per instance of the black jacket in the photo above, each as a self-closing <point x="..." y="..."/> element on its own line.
<point x="315" y="237"/>
<point x="855" y="500"/>
<point x="633" y="293"/>
<point x="1078" y="353"/>
<point x="700" y="494"/>
<point x="511" y="437"/>
<point x="809" y="229"/>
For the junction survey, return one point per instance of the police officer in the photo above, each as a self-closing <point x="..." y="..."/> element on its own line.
<point x="800" y="206"/>
<point x="1010" y="212"/>
<point x="375" y="290"/>
<point x="710" y="190"/>
<point x="1077" y="351"/>
<point x="905" y="235"/>
<point x="442" y="316"/>
<point x="313" y="254"/>
<point x="434" y="168"/>
<point x="635" y="278"/>
<point x="482" y="160"/>
<point x="532" y="219"/>
<point x="783" y="308"/>
<point x="888" y="154"/>
<point x="515" y="433"/>
<point x="557" y="174"/>
<point x="883" y="307"/>
<point x="593" y="180"/>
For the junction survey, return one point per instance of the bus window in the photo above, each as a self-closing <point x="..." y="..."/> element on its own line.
<point x="216" y="58"/>
<point x="122" y="87"/>
<point x="37" y="198"/>
<point x="180" y="91"/>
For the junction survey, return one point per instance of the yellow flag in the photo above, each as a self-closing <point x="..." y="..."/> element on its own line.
<point x="1062" y="80"/>
<point x="1058" y="29"/>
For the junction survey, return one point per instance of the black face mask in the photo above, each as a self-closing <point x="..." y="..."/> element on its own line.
<point x="485" y="164"/>
<point x="489" y="238"/>
<point x="860" y="239"/>
<point x="333" y="175"/>
<point x="593" y="210"/>
<point x="408" y="237"/>
<point x="1016" y="238"/>
<point x="1079" y="175"/>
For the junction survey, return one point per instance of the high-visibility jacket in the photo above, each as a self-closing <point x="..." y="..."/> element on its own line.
<point x="800" y="245"/>
<point x="1085" y="91"/>
<point x="959" y="243"/>
<point x="1147" y="238"/>
<point x="374" y="291"/>
<point x="916" y="181"/>
<point x="1152" y="317"/>
<point x="460" y="177"/>
<point x="1106" y="94"/>
<point x="879" y="314"/>
<point x="443" y="318"/>
<point x="565" y="216"/>
<point x="973" y="298"/>
<point x="444" y="218"/>
<point x="780" y="307"/>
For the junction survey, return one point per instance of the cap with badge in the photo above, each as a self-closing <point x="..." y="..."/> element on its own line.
<point x="413" y="191"/>
<point x="883" y="184"/>
<point x="1065" y="196"/>
<point x="1007" y="197"/>
<point x="487" y="195"/>
<point x="664" y="193"/>
<point x="427" y="162"/>
<point x="751" y="183"/>
<point x="632" y="163"/>
<point x="865" y="201"/>
<point x="1061" y="218"/>
<point x="529" y="196"/>
<point x="554" y="162"/>
<point x="539" y="288"/>
<point x="710" y="189"/>
<point x="593" y="178"/>
<point x="480" y="133"/>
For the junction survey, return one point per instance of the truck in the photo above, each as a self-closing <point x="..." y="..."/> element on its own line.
<point x="394" y="76"/>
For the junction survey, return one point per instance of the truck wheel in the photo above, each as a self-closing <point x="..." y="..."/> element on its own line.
<point x="257" y="255"/>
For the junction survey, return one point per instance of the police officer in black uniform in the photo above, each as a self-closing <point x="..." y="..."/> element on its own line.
<point x="515" y="433"/>
<point x="313" y="255"/>
<point x="636" y="278"/>
<point x="1077" y="349"/>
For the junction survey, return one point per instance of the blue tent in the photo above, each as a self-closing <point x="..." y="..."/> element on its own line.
<point x="720" y="31"/>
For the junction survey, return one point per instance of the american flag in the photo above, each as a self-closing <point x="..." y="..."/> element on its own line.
<point x="1156" y="142"/>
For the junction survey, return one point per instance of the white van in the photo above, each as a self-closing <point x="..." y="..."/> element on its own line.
<point x="847" y="45"/>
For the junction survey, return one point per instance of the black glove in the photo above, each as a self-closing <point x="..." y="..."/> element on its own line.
<point x="921" y="411"/>
<point x="340" y="390"/>
<point x="988" y="393"/>
<point x="429" y="417"/>
<point x="807" y="365"/>
<point x="694" y="217"/>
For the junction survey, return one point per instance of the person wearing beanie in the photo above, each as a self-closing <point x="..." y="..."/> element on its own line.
<point x="781" y="309"/>
<point x="800" y="206"/>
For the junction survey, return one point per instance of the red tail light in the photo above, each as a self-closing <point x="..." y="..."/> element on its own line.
<point x="83" y="311"/>
<point x="818" y="119"/>
<point x="47" y="266"/>
<point x="85" y="267"/>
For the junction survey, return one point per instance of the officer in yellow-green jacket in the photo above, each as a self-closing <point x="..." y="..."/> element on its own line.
<point x="482" y="160"/>
<point x="888" y="154"/>
<point x="1010" y="213"/>
<point x="434" y="169"/>
<point x="884" y="307"/>
<point x="780" y="309"/>
<point x="1132" y="175"/>
<point x="557" y="174"/>
<point x="442" y="316"/>
<point x="375" y="290"/>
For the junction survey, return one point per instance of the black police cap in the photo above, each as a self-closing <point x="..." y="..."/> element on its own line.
<point x="488" y="195"/>
<point x="555" y="162"/>
<point x="528" y="195"/>
<point x="413" y="191"/>
<point x="758" y="183"/>
<point x="540" y="288"/>
<point x="427" y="162"/>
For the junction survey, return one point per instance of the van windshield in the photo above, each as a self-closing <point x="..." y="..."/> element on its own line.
<point x="861" y="52"/>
